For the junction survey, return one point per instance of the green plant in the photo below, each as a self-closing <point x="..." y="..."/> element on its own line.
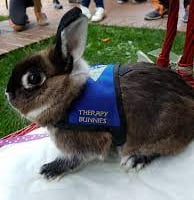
<point x="2" y="18"/>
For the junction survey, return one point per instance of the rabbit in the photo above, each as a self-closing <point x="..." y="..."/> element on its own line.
<point x="158" y="104"/>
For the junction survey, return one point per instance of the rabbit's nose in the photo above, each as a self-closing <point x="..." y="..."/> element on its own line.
<point x="10" y="95"/>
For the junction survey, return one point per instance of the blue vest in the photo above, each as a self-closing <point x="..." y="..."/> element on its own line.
<point x="99" y="107"/>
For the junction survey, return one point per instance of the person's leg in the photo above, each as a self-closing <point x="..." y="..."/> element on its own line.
<point x="17" y="21"/>
<point x="160" y="9"/>
<point x="186" y="14"/>
<point x="85" y="3"/>
<point x="186" y="3"/>
<point x="100" y="12"/>
<point x="165" y="3"/>
<point x="84" y="7"/>
<point x="29" y="3"/>
<point x="41" y="17"/>
<point x="99" y="3"/>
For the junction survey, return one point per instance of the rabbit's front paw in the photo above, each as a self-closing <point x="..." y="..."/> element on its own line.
<point x="59" y="167"/>
<point x="51" y="170"/>
<point x="137" y="161"/>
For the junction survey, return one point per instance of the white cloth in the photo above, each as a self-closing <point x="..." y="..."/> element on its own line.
<point x="169" y="178"/>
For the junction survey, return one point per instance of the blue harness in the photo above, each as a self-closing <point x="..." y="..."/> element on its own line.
<point x="99" y="107"/>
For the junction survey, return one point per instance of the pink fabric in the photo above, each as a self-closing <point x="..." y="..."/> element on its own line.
<point x="20" y="139"/>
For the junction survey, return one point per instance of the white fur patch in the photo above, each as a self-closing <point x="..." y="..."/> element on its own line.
<point x="127" y="163"/>
<point x="80" y="67"/>
<point x="80" y="72"/>
<point x="64" y="43"/>
<point x="24" y="80"/>
<point x="7" y="96"/>
<point x="33" y="114"/>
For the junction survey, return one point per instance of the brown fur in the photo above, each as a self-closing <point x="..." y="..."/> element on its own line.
<point x="81" y="142"/>
<point x="162" y="127"/>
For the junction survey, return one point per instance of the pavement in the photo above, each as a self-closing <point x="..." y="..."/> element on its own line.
<point x="128" y="14"/>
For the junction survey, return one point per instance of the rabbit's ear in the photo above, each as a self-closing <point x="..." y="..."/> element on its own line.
<point x="71" y="35"/>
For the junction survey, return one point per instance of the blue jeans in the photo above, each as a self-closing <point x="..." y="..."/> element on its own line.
<point x="17" y="11"/>
<point x="99" y="3"/>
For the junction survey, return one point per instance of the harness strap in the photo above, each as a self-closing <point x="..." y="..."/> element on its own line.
<point x="118" y="132"/>
<point x="119" y="137"/>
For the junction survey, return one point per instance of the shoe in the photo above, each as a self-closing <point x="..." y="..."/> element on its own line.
<point x="186" y="16"/>
<point x="98" y="15"/>
<point x="57" y="5"/>
<point x="154" y="15"/>
<point x="121" y="1"/>
<point x="16" y="27"/>
<point x="41" y="19"/>
<point x="86" y="11"/>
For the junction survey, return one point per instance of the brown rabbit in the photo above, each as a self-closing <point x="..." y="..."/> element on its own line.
<point x="158" y="106"/>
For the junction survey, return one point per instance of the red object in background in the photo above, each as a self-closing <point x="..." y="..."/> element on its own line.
<point x="163" y="59"/>
<point x="186" y="62"/>
<point x="22" y="131"/>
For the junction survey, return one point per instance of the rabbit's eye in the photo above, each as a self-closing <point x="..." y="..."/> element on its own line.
<point x="32" y="79"/>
